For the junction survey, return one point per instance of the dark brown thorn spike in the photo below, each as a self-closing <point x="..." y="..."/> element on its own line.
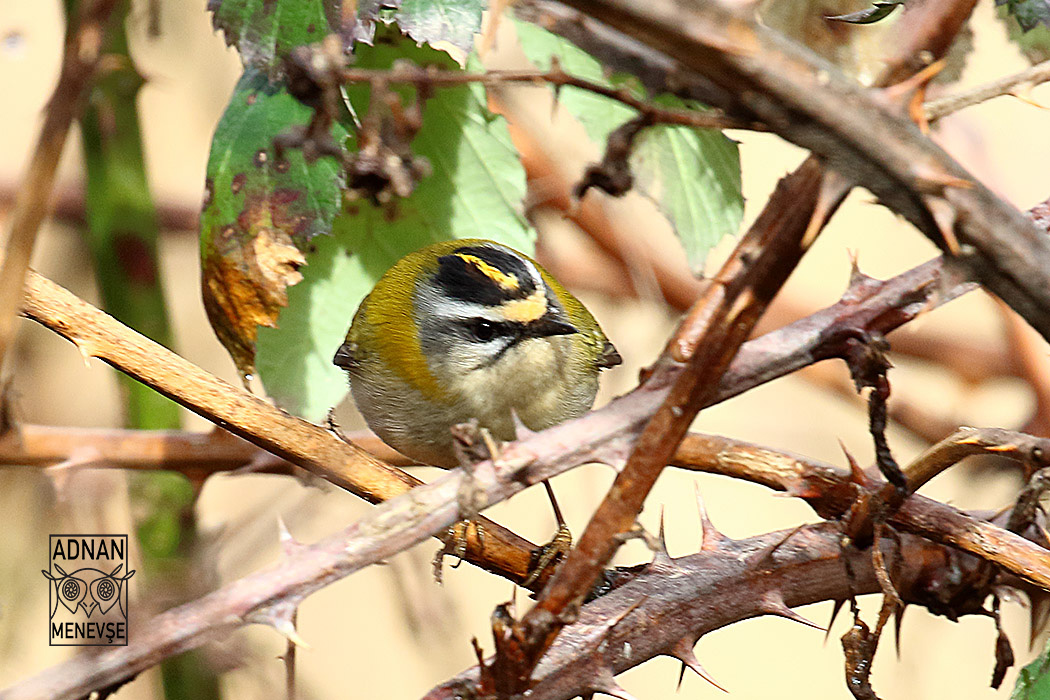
<point x="944" y="216"/>
<point x="764" y="557"/>
<point x="857" y="475"/>
<point x="611" y="622"/>
<point x="660" y="554"/>
<point x="834" y="614"/>
<point x="856" y="277"/>
<point x="898" y="620"/>
<point x="710" y="538"/>
<point x="772" y="603"/>
<point x="605" y="683"/>
<point x="683" y="651"/>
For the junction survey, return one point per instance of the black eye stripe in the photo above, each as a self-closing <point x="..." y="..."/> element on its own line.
<point x="484" y="330"/>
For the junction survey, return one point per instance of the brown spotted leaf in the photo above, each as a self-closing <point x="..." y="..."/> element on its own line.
<point x="259" y="214"/>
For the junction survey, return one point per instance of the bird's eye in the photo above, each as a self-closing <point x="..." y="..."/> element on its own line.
<point x="482" y="330"/>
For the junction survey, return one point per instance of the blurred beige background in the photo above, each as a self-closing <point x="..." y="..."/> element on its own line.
<point x="390" y="632"/>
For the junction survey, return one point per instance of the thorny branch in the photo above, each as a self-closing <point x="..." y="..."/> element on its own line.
<point x="625" y="416"/>
<point x="727" y="60"/>
<point x="693" y="365"/>
<point x="98" y="335"/>
<point x="429" y="77"/>
<point x="670" y="603"/>
<point x="81" y="53"/>
<point x="666" y="606"/>
<point x="271" y="595"/>
<point x="883" y="304"/>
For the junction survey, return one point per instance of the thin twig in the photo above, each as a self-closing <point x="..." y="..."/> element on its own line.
<point x="1007" y="85"/>
<point x="436" y="77"/>
<point x="81" y="53"/>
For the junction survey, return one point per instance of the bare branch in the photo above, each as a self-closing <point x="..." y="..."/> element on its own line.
<point x="1018" y="83"/>
<point x="98" y="335"/>
<point x="669" y="604"/>
<point x="81" y="54"/>
<point x="430" y="77"/>
<point x="731" y="62"/>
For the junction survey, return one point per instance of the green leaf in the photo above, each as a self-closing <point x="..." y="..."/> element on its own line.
<point x="260" y="215"/>
<point x="266" y="30"/>
<point x="433" y="21"/>
<point x="475" y="190"/>
<point x="1028" y="13"/>
<point x="1034" y="43"/>
<point x="1033" y="681"/>
<point x="693" y="175"/>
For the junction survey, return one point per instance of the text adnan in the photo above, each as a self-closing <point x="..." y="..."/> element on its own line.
<point x="73" y="548"/>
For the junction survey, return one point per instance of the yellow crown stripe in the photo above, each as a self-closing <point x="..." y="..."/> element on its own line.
<point x="508" y="282"/>
<point x="526" y="310"/>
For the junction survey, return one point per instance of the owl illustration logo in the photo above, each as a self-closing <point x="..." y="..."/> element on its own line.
<point x="88" y="590"/>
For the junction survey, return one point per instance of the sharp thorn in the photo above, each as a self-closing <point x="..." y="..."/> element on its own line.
<point x="521" y="431"/>
<point x="683" y="651"/>
<point x="856" y="277"/>
<point x="710" y="537"/>
<point x="898" y="620"/>
<point x="280" y="618"/>
<point x="661" y="534"/>
<point x="764" y="556"/>
<point x="288" y="543"/>
<point x="832" y="186"/>
<point x="1038" y="615"/>
<point x="773" y="604"/>
<point x="660" y="555"/>
<point x="1024" y="94"/>
<point x="856" y="474"/>
<point x="604" y="683"/>
<point x="932" y="179"/>
<point x="944" y="217"/>
<point x="834" y="614"/>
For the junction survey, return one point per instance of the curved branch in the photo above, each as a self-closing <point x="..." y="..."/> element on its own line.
<point x="668" y="605"/>
<point x="748" y="70"/>
<point x="306" y="445"/>
<point x="81" y="54"/>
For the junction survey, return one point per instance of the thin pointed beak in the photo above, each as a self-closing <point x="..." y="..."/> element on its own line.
<point x="548" y="326"/>
<point x="344" y="357"/>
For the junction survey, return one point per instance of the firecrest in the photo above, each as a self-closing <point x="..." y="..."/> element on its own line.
<point x="469" y="329"/>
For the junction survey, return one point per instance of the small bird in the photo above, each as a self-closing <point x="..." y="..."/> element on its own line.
<point x="469" y="329"/>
